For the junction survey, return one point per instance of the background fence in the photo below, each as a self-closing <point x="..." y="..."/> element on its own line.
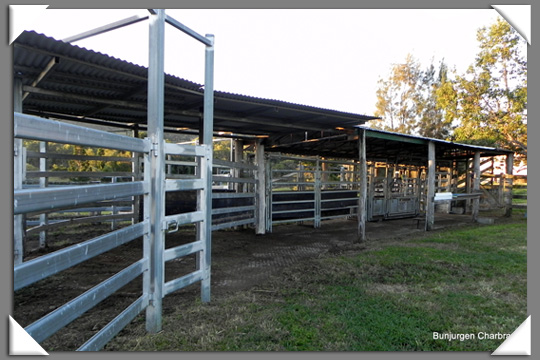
<point x="310" y="189"/>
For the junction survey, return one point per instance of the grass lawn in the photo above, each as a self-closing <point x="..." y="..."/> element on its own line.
<point x="391" y="296"/>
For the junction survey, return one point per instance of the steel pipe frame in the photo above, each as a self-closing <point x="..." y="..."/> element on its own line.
<point x="58" y="261"/>
<point x="154" y="287"/>
<point x="154" y="206"/>
<point x="154" y="284"/>
<point x="18" y="171"/>
<point x="42" y="267"/>
<point x="205" y="40"/>
<point x="36" y="128"/>
<point x="233" y="224"/>
<point x="102" y="337"/>
<point x="35" y="200"/>
<point x="106" y="28"/>
<point x="206" y="196"/>
<point x="59" y="318"/>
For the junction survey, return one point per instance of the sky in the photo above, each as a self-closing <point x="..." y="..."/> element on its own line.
<point x="328" y="58"/>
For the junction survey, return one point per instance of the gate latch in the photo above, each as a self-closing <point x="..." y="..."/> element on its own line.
<point x="171" y="226"/>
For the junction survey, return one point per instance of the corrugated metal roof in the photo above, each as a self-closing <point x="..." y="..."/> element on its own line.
<point x="85" y="85"/>
<point x="439" y="141"/>
<point x="386" y="146"/>
<point x="92" y="85"/>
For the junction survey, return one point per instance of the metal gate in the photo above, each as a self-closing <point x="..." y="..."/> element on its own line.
<point x="393" y="191"/>
<point x="310" y="189"/>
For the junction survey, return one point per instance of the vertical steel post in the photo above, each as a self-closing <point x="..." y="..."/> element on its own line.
<point x="136" y="176"/>
<point x="261" y="225"/>
<point x="268" y="194"/>
<point x="508" y="184"/>
<point x="205" y="259"/>
<point x="43" y="183"/>
<point x="114" y="208"/>
<point x="18" y="231"/>
<point x="238" y="158"/>
<point x="362" y="191"/>
<point x="154" y="203"/>
<point x="476" y="185"/>
<point x="317" y="186"/>
<point x="430" y="204"/>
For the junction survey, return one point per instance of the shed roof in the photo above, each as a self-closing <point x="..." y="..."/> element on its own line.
<point x="385" y="146"/>
<point x="69" y="82"/>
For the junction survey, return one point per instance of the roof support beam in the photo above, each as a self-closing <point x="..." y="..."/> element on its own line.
<point x="32" y="89"/>
<point x="97" y="109"/>
<point x="277" y="105"/>
<point x="55" y="60"/>
<point x="101" y="67"/>
<point x="277" y="123"/>
<point x="225" y="117"/>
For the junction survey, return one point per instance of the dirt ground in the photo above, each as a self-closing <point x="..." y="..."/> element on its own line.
<point x="240" y="260"/>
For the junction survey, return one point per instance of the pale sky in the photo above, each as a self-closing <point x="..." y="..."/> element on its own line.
<point x="328" y="58"/>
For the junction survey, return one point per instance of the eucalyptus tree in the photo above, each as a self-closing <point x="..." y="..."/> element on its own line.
<point x="490" y="99"/>
<point x="407" y="101"/>
<point x="397" y="97"/>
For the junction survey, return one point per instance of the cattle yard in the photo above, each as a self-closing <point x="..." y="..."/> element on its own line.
<point x="155" y="218"/>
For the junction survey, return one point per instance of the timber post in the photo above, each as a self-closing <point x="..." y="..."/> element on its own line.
<point x="430" y="204"/>
<point x="508" y="184"/>
<point x="362" y="192"/>
<point x="476" y="185"/>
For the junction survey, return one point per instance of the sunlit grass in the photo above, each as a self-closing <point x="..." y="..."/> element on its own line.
<point x="392" y="297"/>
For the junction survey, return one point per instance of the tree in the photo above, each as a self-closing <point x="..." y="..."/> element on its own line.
<point x="491" y="98"/>
<point x="408" y="101"/>
<point x="222" y="150"/>
<point x="397" y="97"/>
<point x="435" y="121"/>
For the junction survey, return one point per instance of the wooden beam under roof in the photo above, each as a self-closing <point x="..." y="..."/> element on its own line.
<point x="46" y="71"/>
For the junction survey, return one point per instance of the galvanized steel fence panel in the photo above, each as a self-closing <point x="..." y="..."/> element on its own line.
<point x="153" y="186"/>
<point x="316" y="189"/>
<point x="65" y="197"/>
